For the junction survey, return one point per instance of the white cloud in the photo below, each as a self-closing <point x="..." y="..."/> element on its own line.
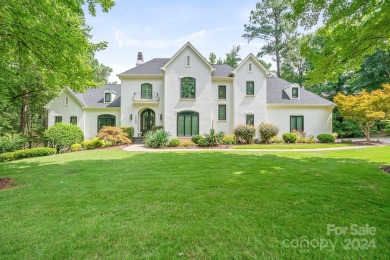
<point x="117" y="36"/>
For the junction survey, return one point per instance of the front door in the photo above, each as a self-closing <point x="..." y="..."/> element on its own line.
<point x="148" y="120"/>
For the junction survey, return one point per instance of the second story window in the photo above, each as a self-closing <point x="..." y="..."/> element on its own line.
<point x="221" y="92"/>
<point x="295" y="92"/>
<point x="250" y="88"/>
<point x="107" y="97"/>
<point x="146" y="91"/>
<point x="188" y="61"/>
<point x="188" y="88"/>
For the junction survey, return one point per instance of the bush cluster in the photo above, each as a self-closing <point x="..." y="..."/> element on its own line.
<point x="28" y="153"/>
<point x="290" y="138"/>
<point x="157" y="127"/>
<point x="245" y="133"/>
<point x="75" y="147"/>
<point x="92" y="144"/>
<point x="229" y="139"/>
<point x="195" y="139"/>
<point x="326" y="138"/>
<point x="157" y="139"/>
<point x="61" y="136"/>
<point x="11" y="142"/>
<point x="187" y="144"/>
<point x="129" y="131"/>
<point x="267" y="132"/>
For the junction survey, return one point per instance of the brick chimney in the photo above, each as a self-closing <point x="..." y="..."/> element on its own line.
<point x="140" y="59"/>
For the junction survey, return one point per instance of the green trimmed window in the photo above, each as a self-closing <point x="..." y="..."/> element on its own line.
<point x="73" y="120"/>
<point x="295" y="92"/>
<point x="188" y="88"/>
<point x="146" y="91"/>
<point x="250" y="119"/>
<point x="105" y="120"/>
<point x="107" y="97"/>
<point x="187" y="123"/>
<point x="221" y="92"/>
<point x="221" y="112"/>
<point x="296" y="123"/>
<point x="250" y="88"/>
<point x="58" y="119"/>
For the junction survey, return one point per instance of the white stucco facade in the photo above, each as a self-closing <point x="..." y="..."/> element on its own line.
<point x="150" y="95"/>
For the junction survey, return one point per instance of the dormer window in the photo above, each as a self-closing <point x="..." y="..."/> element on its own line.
<point x="107" y="97"/>
<point x="188" y="61"/>
<point x="295" y="93"/>
<point x="250" y="67"/>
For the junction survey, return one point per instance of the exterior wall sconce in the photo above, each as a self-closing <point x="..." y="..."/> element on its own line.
<point x="131" y="117"/>
<point x="160" y="117"/>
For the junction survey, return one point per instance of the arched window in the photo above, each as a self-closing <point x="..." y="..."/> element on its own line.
<point x="105" y="120"/>
<point x="187" y="123"/>
<point x="146" y="91"/>
<point x="188" y="88"/>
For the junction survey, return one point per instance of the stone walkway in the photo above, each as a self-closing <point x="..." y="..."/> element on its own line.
<point x="141" y="148"/>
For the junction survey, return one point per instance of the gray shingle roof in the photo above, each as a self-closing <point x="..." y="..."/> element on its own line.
<point x="276" y="95"/>
<point x="152" y="67"/>
<point x="93" y="97"/>
<point x="222" y="70"/>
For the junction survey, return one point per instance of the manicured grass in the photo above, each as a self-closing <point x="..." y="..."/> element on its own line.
<point x="207" y="205"/>
<point x="288" y="146"/>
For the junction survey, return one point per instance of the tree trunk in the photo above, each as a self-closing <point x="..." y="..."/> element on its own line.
<point x="277" y="63"/>
<point x="23" y="113"/>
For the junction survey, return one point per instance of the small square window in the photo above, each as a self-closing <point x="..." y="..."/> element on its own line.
<point x="73" y="120"/>
<point x="221" y="112"/>
<point x="250" y="119"/>
<point x="250" y="88"/>
<point x="221" y="92"/>
<point x="58" y="119"/>
<point x="295" y="92"/>
<point x="107" y="97"/>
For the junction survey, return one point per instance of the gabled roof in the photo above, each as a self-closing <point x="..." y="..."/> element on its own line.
<point x="152" y="67"/>
<point x="251" y="56"/>
<point x="187" y="45"/>
<point x="277" y="95"/>
<point x="94" y="97"/>
<point x="222" y="70"/>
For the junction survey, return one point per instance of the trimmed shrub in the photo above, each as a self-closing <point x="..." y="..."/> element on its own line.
<point x="346" y="141"/>
<point x="187" y="144"/>
<point x="92" y="144"/>
<point x="75" y="147"/>
<point x="108" y="144"/>
<point x="157" y="127"/>
<point x="174" y="142"/>
<point x="311" y="139"/>
<point x="196" y="138"/>
<point x="229" y="139"/>
<point x="290" y="138"/>
<point x="10" y="143"/>
<point x="326" y="138"/>
<point x="129" y="131"/>
<point x="202" y="142"/>
<point x="61" y="136"/>
<point x="157" y="139"/>
<point x="28" y="153"/>
<point x="113" y="134"/>
<point x="267" y="132"/>
<point x="277" y="140"/>
<point x="245" y="133"/>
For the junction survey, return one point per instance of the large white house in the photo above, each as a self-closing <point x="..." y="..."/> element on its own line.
<point x="187" y="95"/>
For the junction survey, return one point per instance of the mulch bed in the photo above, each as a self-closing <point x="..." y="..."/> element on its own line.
<point x="370" y="143"/>
<point x="386" y="169"/>
<point x="6" y="183"/>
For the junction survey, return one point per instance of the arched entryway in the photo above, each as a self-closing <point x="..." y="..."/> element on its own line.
<point x="148" y="119"/>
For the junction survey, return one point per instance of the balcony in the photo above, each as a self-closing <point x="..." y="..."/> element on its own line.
<point x="146" y="98"/>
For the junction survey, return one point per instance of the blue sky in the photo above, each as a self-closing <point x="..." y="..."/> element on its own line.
<point x="160" y="28"/>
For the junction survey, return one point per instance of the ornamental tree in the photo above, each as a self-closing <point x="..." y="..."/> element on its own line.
<point x="365" y="108"/>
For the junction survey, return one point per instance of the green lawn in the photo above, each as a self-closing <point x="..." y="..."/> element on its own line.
<point x="288" y="146"/>
<point x="205" y="205"/>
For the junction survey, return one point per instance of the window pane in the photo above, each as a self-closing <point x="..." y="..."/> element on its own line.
<point x="221" y="92"/>
<point x="58" y="119"/>
<point x="107" y="97"/>
<point x="222" y="112"/>
<point x="299" y="123"/>
<point x="250" y="119"/>
<point x="187" y="125"/>
<point x="188" y="88"/>
<point x="250" y="88"/>
<point x="180" y="126"/>
<point x="295" y="92"/>
<point x="73" y="120"/>
<point x="195" y="125"/>
<point x="293" y="123"/>
<point x="146" y="91"/>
